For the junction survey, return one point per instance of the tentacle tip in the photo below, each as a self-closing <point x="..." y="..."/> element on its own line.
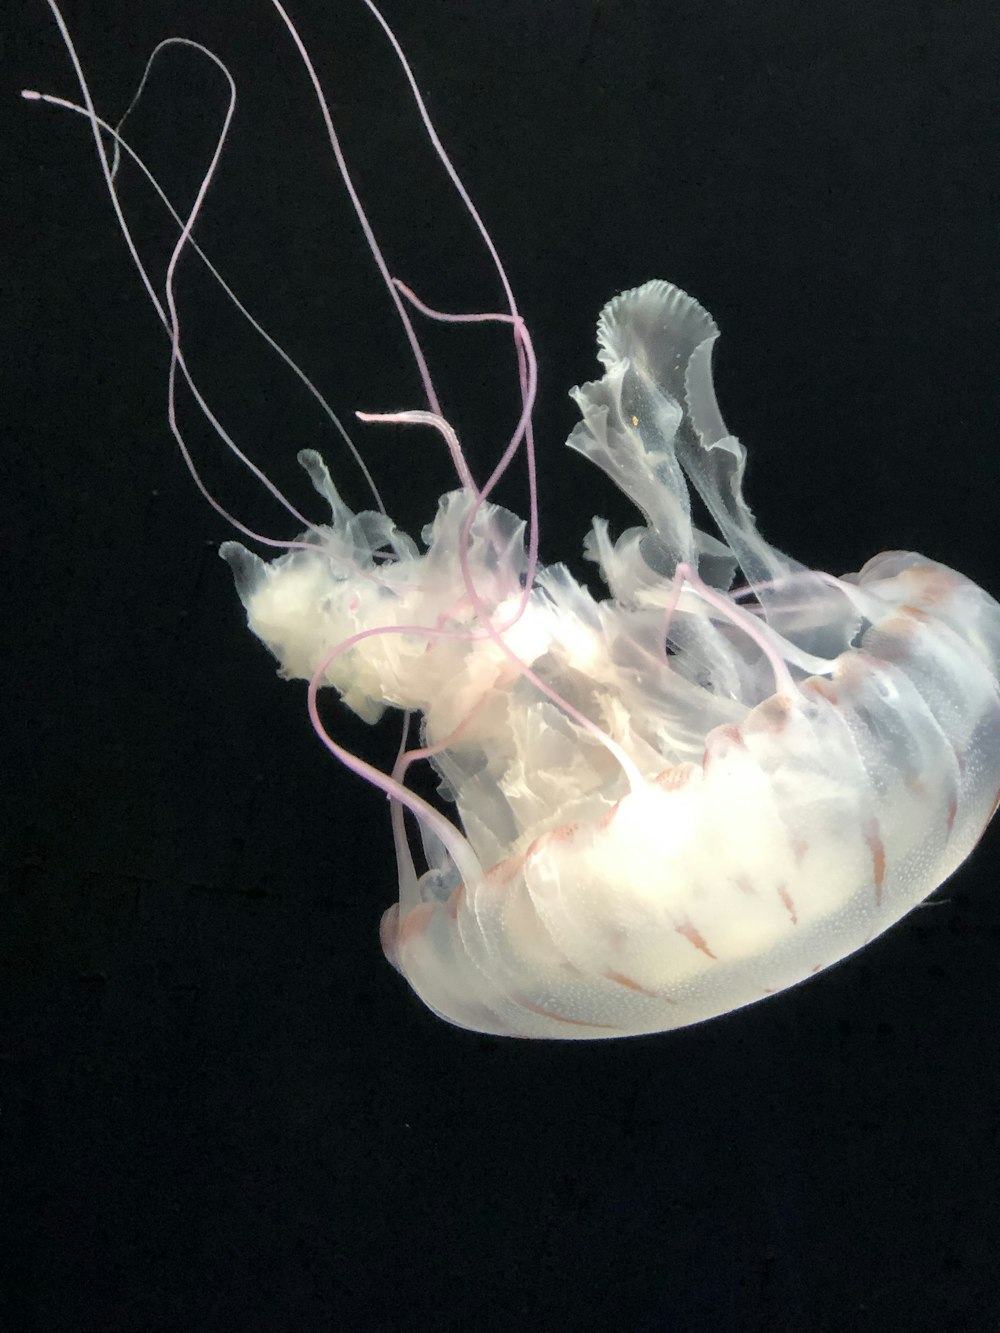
<point x="249" y="571"/>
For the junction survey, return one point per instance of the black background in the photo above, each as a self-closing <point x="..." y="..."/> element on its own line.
<point x="220" y="1108"/>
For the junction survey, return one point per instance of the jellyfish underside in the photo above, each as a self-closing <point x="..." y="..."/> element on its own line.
<point x="679" y="798"/>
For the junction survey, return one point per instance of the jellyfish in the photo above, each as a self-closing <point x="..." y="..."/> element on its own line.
<point x="664" y="803"/>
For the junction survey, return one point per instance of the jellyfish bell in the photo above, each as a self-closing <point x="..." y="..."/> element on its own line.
<point x="669" y="802"/>
<point x="777" y="808"/>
